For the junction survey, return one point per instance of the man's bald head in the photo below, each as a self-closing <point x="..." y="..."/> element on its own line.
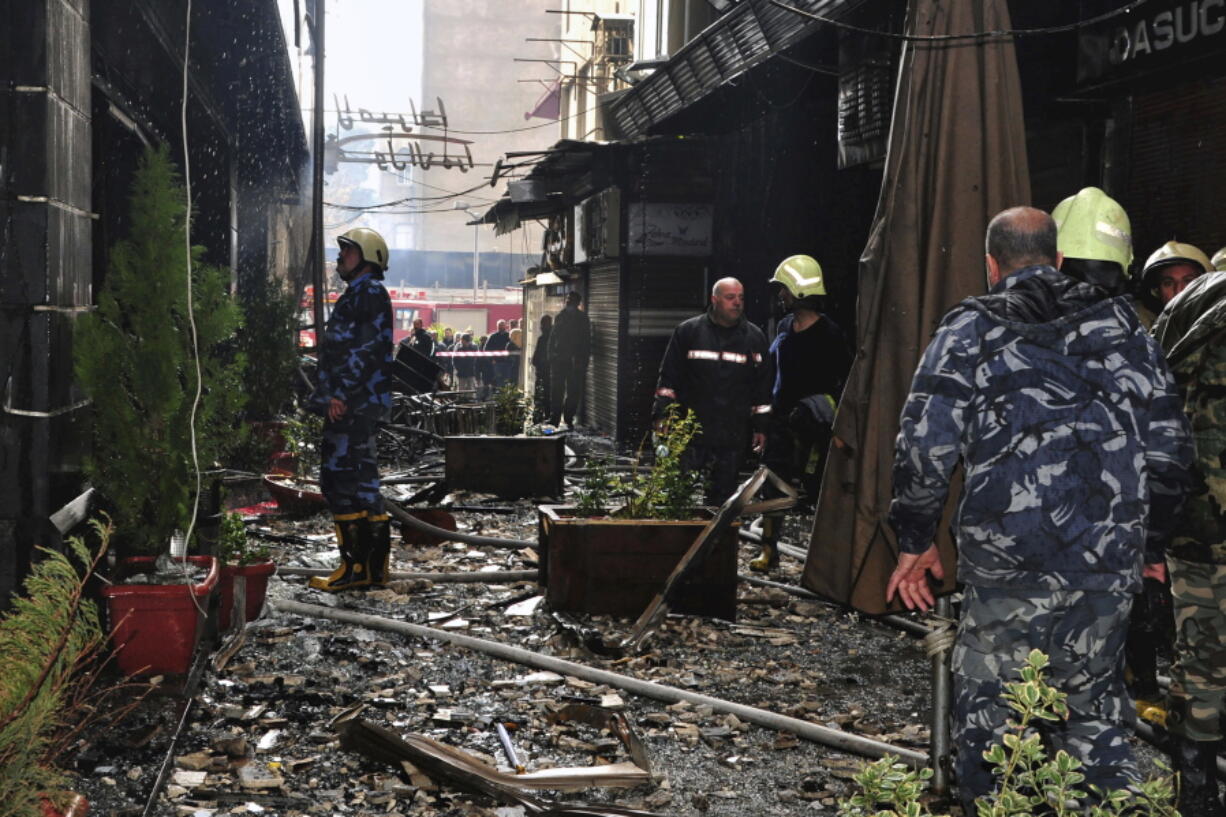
<point x="1021" y="237"/>
<point x="727" y="301"/>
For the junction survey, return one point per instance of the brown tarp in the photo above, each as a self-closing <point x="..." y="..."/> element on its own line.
<point x="957" y="156"/>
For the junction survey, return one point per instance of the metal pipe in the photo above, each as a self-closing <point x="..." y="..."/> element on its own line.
<point x="317" y="177"/>
<point x="450" y="535"/>
<point x="843" y="741"/>
<point x="914" y="627"/>
<point x="941" y="699"/>
<point x="471" y="576"/>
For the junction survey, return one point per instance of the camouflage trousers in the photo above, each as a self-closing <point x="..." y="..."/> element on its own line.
<point x="1083" y="633"/>
<point x="1198" y="676"/>
<point x="349" y="466"/>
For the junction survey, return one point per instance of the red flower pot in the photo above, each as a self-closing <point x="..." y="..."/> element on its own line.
<point x="257" y="587"/>
<point x="154" y="627"/>
<point x="292" y="496"/>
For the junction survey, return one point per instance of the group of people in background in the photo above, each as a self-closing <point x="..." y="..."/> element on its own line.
<point x="466" y="371"/>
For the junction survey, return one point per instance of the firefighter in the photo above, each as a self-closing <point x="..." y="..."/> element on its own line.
<point x="810" y="360"/>
<point x="717" y="365"/>
<point x="1192" y="332"/>
<point x="1219" y="260"/>
<point x="1095" y="237"/>
<point x="354" y="396"/>
<point x="1172" y="267"/>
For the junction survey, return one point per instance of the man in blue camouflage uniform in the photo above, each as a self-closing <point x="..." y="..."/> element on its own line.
<point x="1192" y="331"/>
<point x="354" y="395"/>
<point x="1076" y="456"/>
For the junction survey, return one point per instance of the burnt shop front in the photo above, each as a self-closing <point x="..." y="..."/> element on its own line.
<point x="1161" y="73"/>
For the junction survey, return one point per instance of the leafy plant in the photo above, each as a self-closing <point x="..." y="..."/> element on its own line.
<point x="666" y="491"/>
<point x="596" y="492"/>
<point x="234" y="546"/>
<point x="1029" y="781"/>
<point x="510" y="410"/>
<point x="303" y="434"/>
<point x="50" y="644"/>
<point x="135" y="360"/>
<point x="663" y="491"/>
<point x="268" y="339"/>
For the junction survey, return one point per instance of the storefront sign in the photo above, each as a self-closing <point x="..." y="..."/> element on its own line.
<point x="668" y="229"/>
<point x="1162" y="35"/>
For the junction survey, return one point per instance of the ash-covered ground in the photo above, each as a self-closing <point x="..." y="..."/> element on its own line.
<point x="258" y="738"/>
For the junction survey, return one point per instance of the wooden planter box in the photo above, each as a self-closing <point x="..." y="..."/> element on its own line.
<point x="616" y="566"/>
<point x="510" y="467"/>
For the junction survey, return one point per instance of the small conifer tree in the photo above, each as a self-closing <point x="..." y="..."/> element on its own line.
<point x="134" y="359"/>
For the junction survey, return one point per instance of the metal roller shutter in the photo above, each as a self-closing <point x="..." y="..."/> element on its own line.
<point x="604" y="310"/>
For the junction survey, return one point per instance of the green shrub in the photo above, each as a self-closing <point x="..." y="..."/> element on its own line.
<point x="1030" y="781"/>
<point x="134" y="359"/>
<point x="303" y="433"/>
<point x="268" y="340"/>
<point x="234" y="546"/>
<point x="47" y="641"/>
<point x="664" y="491"/>
<point x="510" y="410"/>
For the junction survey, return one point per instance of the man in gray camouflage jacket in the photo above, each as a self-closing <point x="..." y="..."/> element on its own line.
<point x="1076" y="455"/>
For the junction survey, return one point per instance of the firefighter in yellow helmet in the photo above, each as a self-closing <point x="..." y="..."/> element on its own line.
<point x="811" y="360"/>
<point x="1219" y="260"/>
<point x="1095" y="237"/>
<point x="354" y="396"/>
<point x="1169" y="269"/>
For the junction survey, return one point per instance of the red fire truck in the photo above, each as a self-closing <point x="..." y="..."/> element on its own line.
<point x="407" y="304"/>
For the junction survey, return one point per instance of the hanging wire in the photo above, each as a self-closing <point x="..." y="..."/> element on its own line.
<point x="513" y="130"/>
<point x="975" y="36"/>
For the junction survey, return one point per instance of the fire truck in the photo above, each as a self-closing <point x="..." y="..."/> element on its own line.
<point x="408" y="304"/>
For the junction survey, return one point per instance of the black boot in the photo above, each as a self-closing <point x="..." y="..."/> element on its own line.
<point x="379" y="531"/>
<point x="351" y="542"/>
<point x="1196" y="763"/>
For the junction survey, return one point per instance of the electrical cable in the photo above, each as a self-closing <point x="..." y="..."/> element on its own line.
<point x="394" y="202"/>
<point x="191" y="315"/>
<point x="512" y="130"/>
<point x="975" y="36"/>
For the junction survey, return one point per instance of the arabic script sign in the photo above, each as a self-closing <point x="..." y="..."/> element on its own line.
<point x="668" y="229"/>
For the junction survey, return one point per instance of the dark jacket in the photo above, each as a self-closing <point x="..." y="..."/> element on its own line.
<point x="1064" y="415"/>
<point x="722" y="373"/>
<point x="814" y="361"/>
<point x="422" y="342"/>
<point x="355" y="357"/>
<point x="540" y="354"/>
<point x="570" y="341"/>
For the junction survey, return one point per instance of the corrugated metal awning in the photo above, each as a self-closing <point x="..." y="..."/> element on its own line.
<point x="749" y="34"/>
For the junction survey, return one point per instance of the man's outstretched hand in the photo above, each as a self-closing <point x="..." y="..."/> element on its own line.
<point x="910" y="579"/>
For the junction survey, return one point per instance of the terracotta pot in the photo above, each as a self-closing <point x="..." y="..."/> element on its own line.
<point x="294" y="497"/>
<point x="154" y="628"/>
<point x="257" y="587"/>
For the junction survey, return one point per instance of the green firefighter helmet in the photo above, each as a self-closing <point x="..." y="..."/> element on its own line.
<point x="1219" y="260"/>
<point x="372" y="245"/>
<point x="1177" y="252"/>
<point x="800" y="275"/>
<point x="1093" y="226"/>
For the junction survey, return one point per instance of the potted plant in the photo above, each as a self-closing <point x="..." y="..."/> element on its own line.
<point x="268" y="340"/>
<point x="509" y="463"/>
<point x="293" y="477"/>
<point x="240" y="558"/>
<point x="614" y="548"/>
<point x="165" y="384"/>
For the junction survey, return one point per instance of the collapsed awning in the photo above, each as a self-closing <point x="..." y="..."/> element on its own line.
<point x="559" y="178"/>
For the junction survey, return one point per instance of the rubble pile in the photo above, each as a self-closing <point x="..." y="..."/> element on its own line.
<point x="261" y="734"/>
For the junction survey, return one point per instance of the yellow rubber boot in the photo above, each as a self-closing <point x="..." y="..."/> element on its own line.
<point x="768" y="559"/>
<point x="353" y="572"/>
